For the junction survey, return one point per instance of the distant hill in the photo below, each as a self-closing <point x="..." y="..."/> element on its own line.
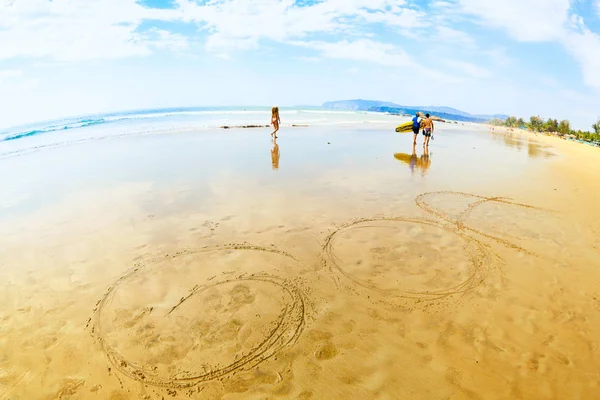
<point x="356" y="105"/>
<point x="444" y="110"/>
<point x="413" y="111"/>
<point x="493" y="116"/>
<point x="393" y="108"/>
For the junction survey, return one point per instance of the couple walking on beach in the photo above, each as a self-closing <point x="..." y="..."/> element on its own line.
<point x="427" y="125"/>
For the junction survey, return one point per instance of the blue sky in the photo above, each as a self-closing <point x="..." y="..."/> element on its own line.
<point x="523" y="57"/>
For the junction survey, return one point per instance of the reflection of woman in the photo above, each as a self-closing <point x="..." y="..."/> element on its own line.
<point x="275" y="155"/>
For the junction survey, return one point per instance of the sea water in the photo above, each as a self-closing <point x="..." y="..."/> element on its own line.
<point x="33" y="137"/>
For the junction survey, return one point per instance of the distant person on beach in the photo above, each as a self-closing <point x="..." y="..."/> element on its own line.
<point x="275" y="120"/>
<point x="416" y="127"/>
<point x="427" y="129"/>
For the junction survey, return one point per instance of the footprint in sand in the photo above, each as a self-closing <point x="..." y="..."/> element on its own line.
<point x="69" y="388"/>
<point x="326" y="351"/>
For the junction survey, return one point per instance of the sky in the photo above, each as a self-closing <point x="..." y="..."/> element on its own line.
<point x="61" y="58"/>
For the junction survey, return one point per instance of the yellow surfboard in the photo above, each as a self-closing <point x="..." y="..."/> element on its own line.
<point x="405" y="127"/>
<point x="405" y="158"/>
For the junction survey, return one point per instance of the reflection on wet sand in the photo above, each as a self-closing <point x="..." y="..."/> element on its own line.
<point x="275" y="154"/>
<point x="518" y="141"/>
<point x="422" y="163"/>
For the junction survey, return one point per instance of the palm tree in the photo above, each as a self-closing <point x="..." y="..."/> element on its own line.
<point x="596" y="127"/>
<point x="564" y="127"/>
<point x="536" y="123"/>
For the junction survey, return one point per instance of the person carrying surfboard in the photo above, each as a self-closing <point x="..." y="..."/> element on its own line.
<point x="416" y="126"/>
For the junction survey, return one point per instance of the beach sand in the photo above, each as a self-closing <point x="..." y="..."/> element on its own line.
<point x="186" y="267"/>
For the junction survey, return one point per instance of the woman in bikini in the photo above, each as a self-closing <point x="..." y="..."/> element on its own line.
<point x="275" y="121"/>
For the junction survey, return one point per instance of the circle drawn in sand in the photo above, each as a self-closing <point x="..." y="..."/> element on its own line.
<point x="175" y="337"/>
<point x="518" y="225"/>
<point x="409" y="258"/>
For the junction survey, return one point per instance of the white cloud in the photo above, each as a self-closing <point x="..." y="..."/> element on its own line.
<point x="524" y="20"/>
<point x="433" y="26"/>
<point x="469" y="69"/>
<point x="16" y="81"/>
<point x="585" y="47"/>
<point x="241" y="24"/>
<point x="450" y="35"/>
<point x="365" y="50"/>
<point x="544" y="20"/>
<point x="498" y="56"/>
<point x="10" y="77"/>
<point x="548" y="81"/>
<point x="10" y="73"/>
<point x="308" y="59"/>
<point x="72" y="30"/>
<point x="162" y="39"/>
<point x="396" y="16"/>
<point x="224" y="56"/>
<point x="441" y="5"/>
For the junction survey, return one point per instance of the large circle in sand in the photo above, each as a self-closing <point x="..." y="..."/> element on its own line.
<point x="182" y="320"/>
<point x="409" y="258"/>
<point x="523" y="227"/>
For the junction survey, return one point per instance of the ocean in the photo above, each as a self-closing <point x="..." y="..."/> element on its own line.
<point x="33" y="137"/>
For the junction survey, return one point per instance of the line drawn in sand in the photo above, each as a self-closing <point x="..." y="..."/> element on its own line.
<point x="459" y="223"/>
<point x="481" y="259"/>
<point x="283" y="331"/>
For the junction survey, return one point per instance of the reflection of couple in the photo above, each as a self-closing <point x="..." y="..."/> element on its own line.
<point x="275" y="154"/>
<point x="421" y="163"/>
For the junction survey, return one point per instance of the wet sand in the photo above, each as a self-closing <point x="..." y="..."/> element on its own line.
<point x="186" y="266"/>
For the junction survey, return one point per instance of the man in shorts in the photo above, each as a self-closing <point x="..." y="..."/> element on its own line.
<point x="427" y="129"/>
<point x="416" y="126"/>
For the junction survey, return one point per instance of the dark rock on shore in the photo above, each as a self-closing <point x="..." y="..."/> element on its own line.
<point x="243" y="126"/>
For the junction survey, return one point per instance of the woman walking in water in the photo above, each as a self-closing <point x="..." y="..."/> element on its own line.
<point x="275" y="121"/>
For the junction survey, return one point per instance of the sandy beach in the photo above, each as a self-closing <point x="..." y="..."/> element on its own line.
<point x="184" y="265"/>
